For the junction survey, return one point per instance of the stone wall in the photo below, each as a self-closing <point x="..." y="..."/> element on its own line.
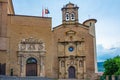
<point x="21" y="27"/>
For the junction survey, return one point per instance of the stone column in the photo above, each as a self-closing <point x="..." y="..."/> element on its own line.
<point x="43" y="67"/>
<point x="24" y="66"/>
<point x="66" y="69"/>
<point x="38" y="69"/>
<point x="84" y="67"/>
<point x="40" y="66"/>
<point x="78" y="69"/>
<point x="59" y="69"/>
<point x="42" y="72"/>
<point x="21" y="63"/>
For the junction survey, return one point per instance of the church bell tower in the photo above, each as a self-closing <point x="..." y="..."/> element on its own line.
<point x="70" y="13"/>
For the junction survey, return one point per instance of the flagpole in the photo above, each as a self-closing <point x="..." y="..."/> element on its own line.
<point x="42" y="12"/>
<point x="47" y="13"/>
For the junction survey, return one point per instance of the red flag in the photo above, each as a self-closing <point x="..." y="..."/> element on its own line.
<point x="47" y="11"/>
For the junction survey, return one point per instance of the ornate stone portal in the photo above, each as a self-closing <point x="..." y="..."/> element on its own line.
<point x="31" y="52"/>
<point x="65" y="63"/>
<point x="72" y="63"/>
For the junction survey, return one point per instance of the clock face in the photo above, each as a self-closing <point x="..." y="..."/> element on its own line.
<point x="71" y="49"/>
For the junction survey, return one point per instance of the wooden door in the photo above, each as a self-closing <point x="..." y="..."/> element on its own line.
<point x="31" y="67"/>
<point x="71" y="72"/>
<point x="31" y="70"/>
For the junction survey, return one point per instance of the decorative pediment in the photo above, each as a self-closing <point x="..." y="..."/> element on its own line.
<point x="31" y="40"/>
<point x="70" y="32"/>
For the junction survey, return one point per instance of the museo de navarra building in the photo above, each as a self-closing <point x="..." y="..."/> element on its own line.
<point x="30" y="47"/>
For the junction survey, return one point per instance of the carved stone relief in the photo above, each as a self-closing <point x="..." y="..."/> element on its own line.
<point x="31" y="44"/>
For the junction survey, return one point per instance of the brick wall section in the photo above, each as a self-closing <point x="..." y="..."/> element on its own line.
<point x="21" y="27"/>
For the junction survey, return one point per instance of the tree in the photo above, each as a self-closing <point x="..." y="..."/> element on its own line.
<point x="111" y="67"/>
<point x="117" y="60"/>
<point x="118" y="72"/>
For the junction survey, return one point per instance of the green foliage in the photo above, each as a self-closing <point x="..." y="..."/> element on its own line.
<point x="118" y="72"/>
<point x="112" y="66"/>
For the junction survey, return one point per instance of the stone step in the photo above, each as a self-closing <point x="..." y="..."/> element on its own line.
<point x="30" y="78"/>
<point x="23" y="78"/>
<point x="70" y="79"/>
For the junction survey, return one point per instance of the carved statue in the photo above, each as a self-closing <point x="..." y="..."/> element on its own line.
<point x="31" y="47"/>
<point x="80" y="63"/>
<point x="40" y="47"/>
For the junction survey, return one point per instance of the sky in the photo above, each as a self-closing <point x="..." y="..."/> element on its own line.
<point x="106" y="12"/>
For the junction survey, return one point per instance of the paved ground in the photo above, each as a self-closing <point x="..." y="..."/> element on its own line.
<point x="30" y="78"/>
<point x="23" y="78"/>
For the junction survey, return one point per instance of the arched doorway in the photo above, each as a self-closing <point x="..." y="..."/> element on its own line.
<point x="71" y="72"/>
<point x="31" y="67"/>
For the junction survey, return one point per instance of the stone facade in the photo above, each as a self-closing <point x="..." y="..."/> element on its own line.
<point x="29" y="46"/>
